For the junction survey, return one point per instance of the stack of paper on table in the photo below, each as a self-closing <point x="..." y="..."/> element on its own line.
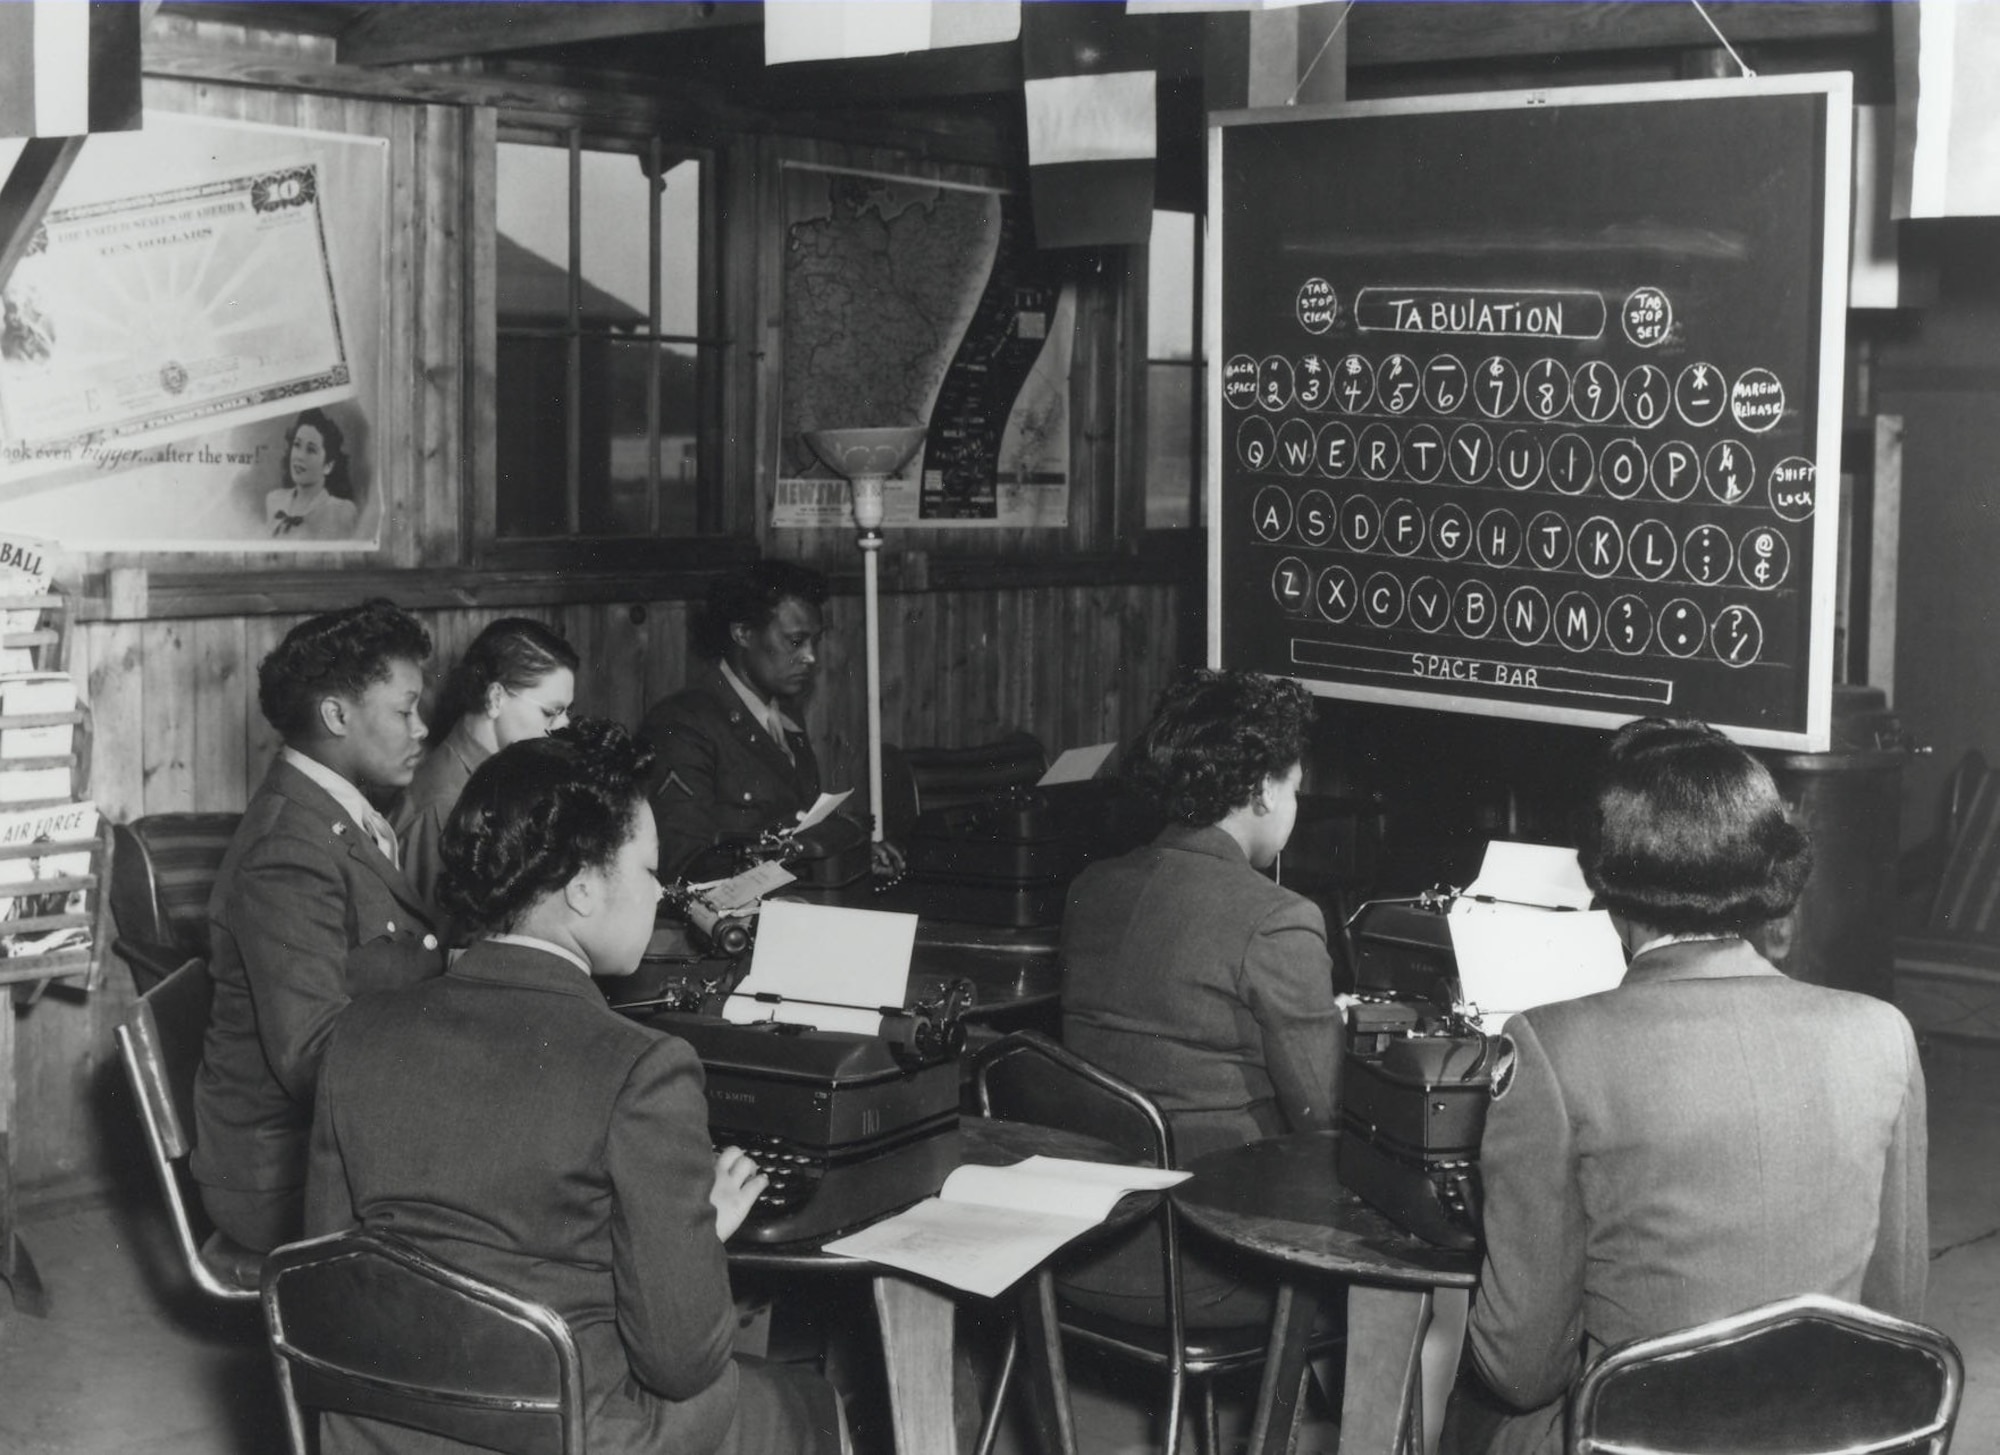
<point x="1524" y="934"/>
<point x="988" y="1227"/>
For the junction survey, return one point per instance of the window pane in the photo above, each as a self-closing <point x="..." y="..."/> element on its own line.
<point x="616" y="487"/>
<point x="1170" y="397"/>
<point x="680" y="249"/>
<point x="616" y="253"/>
<point x="530" y="474"/>
<point x="532" y="250"/>
<point x="1170" y="287"/>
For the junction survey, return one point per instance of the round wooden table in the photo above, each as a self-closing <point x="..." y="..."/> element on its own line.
<point x="916" y="1318"/>
<point x="1281" y="1199"/>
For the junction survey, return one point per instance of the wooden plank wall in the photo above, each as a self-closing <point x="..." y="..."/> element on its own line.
<point x="178" y="728"/>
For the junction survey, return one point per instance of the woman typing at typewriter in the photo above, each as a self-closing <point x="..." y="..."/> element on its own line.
<point x="1192" y="975"/>
<point x="1707" y="1137"/>
<point x="509" y="1123"/>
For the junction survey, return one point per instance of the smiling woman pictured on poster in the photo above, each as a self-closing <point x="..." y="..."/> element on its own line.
<point x="316" y="499"/>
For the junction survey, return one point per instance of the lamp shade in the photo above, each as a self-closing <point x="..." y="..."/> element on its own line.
<point x="879" y="451"/>
<point x="868" y="457"/>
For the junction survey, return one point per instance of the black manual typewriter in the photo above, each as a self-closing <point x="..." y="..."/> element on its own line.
<point x="846" y="1126"/>
<point x="1418" y="1075"/>
<point x="1007" y="859"/>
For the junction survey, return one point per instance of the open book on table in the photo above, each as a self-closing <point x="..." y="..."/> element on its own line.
<point x="989" y="1226"/>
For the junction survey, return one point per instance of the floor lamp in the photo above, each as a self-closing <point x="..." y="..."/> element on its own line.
<point x="868" y="457"/>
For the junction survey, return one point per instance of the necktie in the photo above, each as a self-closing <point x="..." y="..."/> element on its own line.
<point x="384" y="837"/>
<point x="776" y="724"/>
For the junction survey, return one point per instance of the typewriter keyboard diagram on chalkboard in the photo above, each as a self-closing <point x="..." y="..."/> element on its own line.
<point x="1524" y="409"/>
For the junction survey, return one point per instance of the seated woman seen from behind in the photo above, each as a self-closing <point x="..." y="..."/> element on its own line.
<point x="1192" y="975"/>
<point x="515" y="681"/>
<point x="506" y="1121"/>
<point x="1707" y="1137"/>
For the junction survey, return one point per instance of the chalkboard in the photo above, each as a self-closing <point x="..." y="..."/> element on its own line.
<point x="1527" y="404"/>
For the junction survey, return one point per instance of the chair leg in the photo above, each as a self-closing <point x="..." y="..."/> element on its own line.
<point x="1211" y="1426"/>
<point x="997" y="1407"/>
<point x="1176" y="1409"/>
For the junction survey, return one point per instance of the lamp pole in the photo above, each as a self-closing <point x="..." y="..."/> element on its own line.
<point x="868" y="457"/>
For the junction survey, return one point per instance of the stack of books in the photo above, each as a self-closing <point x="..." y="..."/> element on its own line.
<point x="48" y="828"/>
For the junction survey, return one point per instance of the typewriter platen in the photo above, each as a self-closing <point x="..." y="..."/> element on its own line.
<point x="1418" y="1076"/>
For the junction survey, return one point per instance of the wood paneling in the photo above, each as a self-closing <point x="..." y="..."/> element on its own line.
<point x="178" y="728"/>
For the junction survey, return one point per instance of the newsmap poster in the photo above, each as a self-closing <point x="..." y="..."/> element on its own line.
<point x="912" y="301"/>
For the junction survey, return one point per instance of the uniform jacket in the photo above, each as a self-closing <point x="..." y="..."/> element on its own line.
<point x="424" y="806"/>
<point x="505" y="1120"/>
<point x="306" y="915"/>
<point x="1196" y="978"/>
<point x="1709" y="1136"/>
<point x="719" y="775"/>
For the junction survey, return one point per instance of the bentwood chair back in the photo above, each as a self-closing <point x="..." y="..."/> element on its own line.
<point x="160" y="1043"/>
<point x="1803" y="1376"/>
<point x="362" y="1324"/>
<point x="161" y="875"/>
<point x="1029" y="1078"/>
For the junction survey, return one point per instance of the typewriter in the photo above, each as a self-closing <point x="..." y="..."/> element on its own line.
<point x="846" y="1125"/>
<point x="1418" y="1075"/>
<point x="1007" y="859"/>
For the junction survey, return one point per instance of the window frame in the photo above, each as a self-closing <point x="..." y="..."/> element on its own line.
<point x="718" y="520"/>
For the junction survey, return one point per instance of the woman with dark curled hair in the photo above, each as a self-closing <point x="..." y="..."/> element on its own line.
<point x="515" y="681"/>
<point x="1190" y="974"/>
<point x="1708" y="1136"/>
<point x="506" y="1121"/>
<point x="310" y="908"/>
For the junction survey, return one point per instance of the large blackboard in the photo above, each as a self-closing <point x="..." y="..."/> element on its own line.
<point x="1528" y="404"/>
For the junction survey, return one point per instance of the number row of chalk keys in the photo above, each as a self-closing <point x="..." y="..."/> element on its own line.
<point x="1422" y="454"/>
<point x="1547" y="389"/>
<point x="1649" y="549"/>
<point x="1475" y="609"/>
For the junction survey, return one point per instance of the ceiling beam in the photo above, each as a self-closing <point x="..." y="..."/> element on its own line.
<point x="401" y="33"/>
<point x="32" y="185"/>
<point x="1388" y="34"/>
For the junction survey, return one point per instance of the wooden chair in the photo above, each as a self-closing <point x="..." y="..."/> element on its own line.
<point x="161" y="875"/>
<point x="1802" y="1376"/>
<point x="160" y="1044"/>
<point x="362" y="1324"/>
<point x="1028" y="1077"/>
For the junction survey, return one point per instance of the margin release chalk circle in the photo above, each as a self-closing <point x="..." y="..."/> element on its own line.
<point x="1757" y="399"/>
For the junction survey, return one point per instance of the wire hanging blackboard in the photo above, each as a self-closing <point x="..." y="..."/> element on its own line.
<point x="1527" y="404"/>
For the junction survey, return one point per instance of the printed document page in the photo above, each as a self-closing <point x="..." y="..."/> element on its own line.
<point x="988" y="1227"/>
<point x="1524" y="934"/>
<point x="1077" y="765"/>
<point x="1539" y="874"/>
<point x="835" y="968"/>
<point x="821" y="811"/>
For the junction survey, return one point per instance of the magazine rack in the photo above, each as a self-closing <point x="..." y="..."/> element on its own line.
<point x="49" y="907"/>
<point x="31" y="973"/>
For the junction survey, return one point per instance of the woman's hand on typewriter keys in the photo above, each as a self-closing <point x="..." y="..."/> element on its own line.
<point x="737" y="1183"/>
